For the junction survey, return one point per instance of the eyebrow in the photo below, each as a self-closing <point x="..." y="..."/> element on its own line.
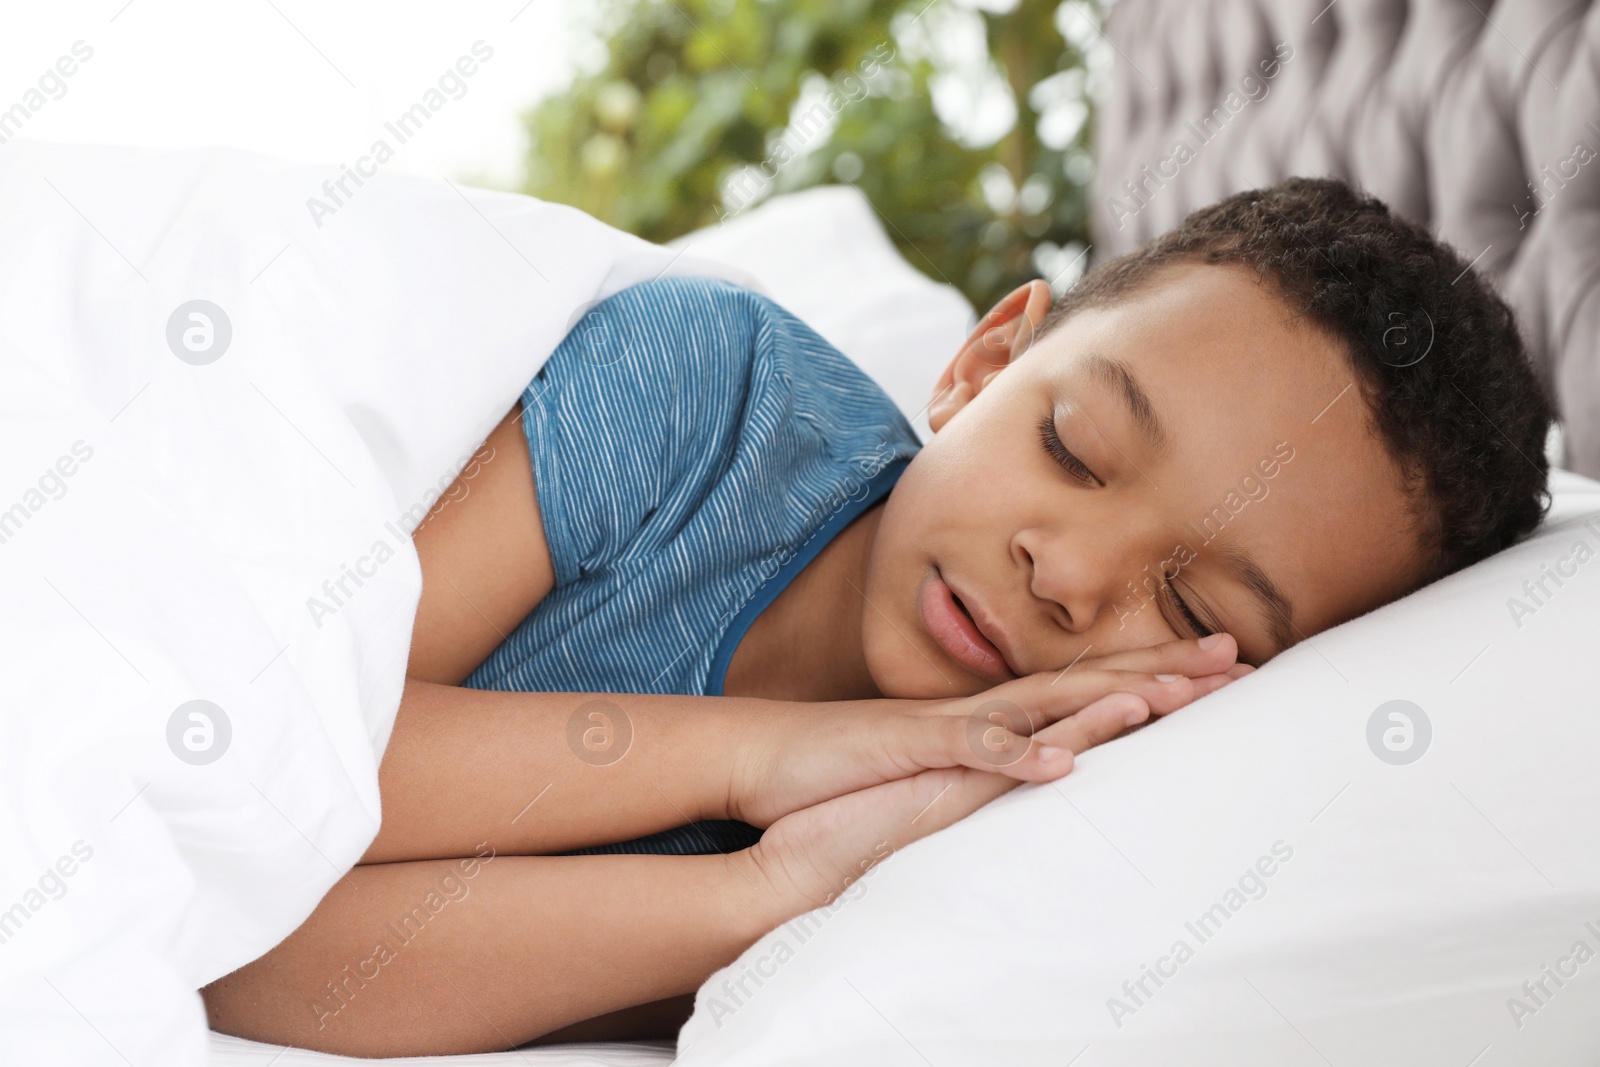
<point x="1115" y="374"/>
<point x="1274" y="606"/>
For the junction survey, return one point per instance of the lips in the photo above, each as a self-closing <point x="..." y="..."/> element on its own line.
<point x="946" y="618"/>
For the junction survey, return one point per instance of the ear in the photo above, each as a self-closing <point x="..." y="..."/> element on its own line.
<point x="999" y="340"/>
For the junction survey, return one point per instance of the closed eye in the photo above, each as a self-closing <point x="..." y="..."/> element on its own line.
<point x="1200" y="628"/>
<point x="1051" y="440"/>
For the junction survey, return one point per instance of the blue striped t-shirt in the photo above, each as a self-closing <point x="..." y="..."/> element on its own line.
<point x="694" y="446"/>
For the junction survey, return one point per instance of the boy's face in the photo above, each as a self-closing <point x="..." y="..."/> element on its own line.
<point x="1223" y="458"/>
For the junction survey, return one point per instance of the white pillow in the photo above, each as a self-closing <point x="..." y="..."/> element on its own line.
<point x="823" y="254"/>
<point x="1360" y="911"/>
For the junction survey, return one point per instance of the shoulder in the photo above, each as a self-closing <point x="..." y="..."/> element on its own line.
<point x="699" y="324"/>
<point x="704" y="361"/>
<point x="673" y="315"/>
<point x="696" y="321"/>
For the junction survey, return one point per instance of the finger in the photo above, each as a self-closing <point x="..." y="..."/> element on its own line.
<point x="995" y="734"/>
<point x="1179" y="657"/>
<point x="944" y="797"/>
<point x="1055" y="697"/>
<point x="1053" y="750"/>
<point x="1048" y="754"/>
<point x="994" y="738"/>
<point x="1207" y="684"/>
<point x="1096" y="724"/>
<point x="1052" y="696"/>
<point x="998" y="737"/>
<point x="993" y="747"/>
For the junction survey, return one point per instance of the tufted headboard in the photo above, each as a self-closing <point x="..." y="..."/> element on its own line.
<point x="1480" y="119"/>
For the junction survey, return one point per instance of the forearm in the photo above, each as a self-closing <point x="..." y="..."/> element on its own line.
<point x="523" y="946"/>
<point x="467" y="765"/>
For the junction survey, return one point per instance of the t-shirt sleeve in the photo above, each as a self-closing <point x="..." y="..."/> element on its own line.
<point x="635" y="416"/>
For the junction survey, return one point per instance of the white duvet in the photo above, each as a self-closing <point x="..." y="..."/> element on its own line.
<point x="215" y="509"/>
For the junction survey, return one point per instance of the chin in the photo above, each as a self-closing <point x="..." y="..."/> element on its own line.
<point x="900" y="673"/>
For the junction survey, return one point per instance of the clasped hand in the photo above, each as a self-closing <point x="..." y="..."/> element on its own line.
<point x="839" y="786"/>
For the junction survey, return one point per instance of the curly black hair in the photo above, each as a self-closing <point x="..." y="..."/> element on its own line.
<point x="1437" y="352"/>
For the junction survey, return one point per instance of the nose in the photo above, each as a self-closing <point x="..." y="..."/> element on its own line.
<point x="1081" y="577"/>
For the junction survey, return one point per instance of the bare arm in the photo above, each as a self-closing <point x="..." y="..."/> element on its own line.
<point x="423" y="958"/>
<point x="466" y="765"/>
<point x="540" y="773"/>
<point x="485" y="561"/>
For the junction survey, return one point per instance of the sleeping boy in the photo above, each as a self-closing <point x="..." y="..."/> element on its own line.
<point x="712" y="634"/>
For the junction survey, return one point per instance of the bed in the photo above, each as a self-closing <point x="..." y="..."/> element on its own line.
<point x="1373" y="910"/>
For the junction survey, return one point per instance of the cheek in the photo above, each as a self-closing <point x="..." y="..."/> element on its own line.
<point x="967" y="483"/>
<point x="898" y="668"/>
<point x="1135" y="622"/>
<point x="889" y="622"/>
<point x="904" y="662"/>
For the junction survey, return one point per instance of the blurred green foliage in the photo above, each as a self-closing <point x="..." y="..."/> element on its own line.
<point x="705" y="107"/>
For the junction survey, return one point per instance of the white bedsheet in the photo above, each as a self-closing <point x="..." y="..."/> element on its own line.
<point x="233" y="1052"/>
<point x="170" y="522"/>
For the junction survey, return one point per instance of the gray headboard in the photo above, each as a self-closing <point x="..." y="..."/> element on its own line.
<point x="1480" y="119"/>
